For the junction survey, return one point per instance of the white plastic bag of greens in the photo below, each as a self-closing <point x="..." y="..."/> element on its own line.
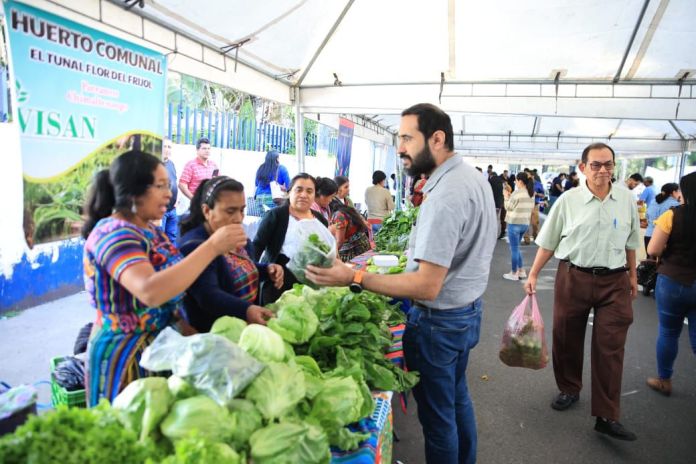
<point x="315" y="246"/>
<point x="214" y="365"/>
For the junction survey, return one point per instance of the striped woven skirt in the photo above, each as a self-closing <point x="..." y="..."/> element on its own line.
<point x="114" y="362"/>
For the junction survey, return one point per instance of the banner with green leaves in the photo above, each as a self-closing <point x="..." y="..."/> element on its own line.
<point x="83" y="97"/>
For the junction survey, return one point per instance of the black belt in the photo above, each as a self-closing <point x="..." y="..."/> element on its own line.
<point x="598" y="271"/>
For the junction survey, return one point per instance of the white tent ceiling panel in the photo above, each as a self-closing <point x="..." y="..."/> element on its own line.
<point x="636" y="91"/>
<point x="279" y="37"/>
<point x="672" y="46"/>
<point x="654" y="129"/>
<point x="377" y="42"/>
<point x="688" y="128"/>
<point x="524" y="90"/>
<point x="507" y="39"/>
<point x="492" y="124"/>
<point x="499" y="59"/>
<point x="576" y="127"/>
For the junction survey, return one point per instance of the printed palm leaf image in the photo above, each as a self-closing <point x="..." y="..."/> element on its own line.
<point x="53" y="208"/>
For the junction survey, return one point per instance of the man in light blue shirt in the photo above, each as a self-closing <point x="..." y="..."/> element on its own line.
<point x="647" y="196"/>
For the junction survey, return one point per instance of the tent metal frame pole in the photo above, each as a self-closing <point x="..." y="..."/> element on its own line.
<point x="150" y="17"/>
<point x="506" y="135"/>
<point x="299" y="133"/>
<point x="617" y="76"/>
<point x="564" y="82"/>
<point x="324" y="42"/>
<point x="647" y="40"/>
<point x="678" y="131"/>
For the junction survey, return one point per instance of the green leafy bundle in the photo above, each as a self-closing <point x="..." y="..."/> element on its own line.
<point x="395" y="231"/>
<point x="314" y="251"/>
<point x="353" y="334"/>
<point x="79" y="436"/>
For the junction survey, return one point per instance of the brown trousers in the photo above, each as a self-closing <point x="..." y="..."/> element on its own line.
<point x="533" y="228"/>
<point x="575" y="294"/>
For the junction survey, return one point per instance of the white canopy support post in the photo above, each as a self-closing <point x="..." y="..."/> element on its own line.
<point x="683" y="159"/>
<point x="299" y="132"/>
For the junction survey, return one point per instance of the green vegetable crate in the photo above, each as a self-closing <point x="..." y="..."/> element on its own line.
<point x="60" y="395"/>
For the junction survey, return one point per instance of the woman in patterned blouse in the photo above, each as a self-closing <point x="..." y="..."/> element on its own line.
<point x="230" y="284"/>
<point x="133" y="274"/>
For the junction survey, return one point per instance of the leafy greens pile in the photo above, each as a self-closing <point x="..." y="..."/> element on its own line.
<point x="84" y="436"/>
<point x="395" y="231"/>
<point x="318" y="360"/>
<point x="353" y="333"/>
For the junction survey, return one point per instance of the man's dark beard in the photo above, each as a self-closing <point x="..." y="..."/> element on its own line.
<point x="423" y="163"/>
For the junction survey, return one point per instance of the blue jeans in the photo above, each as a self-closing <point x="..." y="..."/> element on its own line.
<point x="437" y="344"/>
<point x="376" y="227"/>
<point x="515" y="234"/>
<point x="674" y="302"/>
<point x="170" y="225"/>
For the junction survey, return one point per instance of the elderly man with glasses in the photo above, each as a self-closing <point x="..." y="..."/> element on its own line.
<point x="594" y="231"/>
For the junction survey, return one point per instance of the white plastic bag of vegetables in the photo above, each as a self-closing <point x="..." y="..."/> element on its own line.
<point x="316" y="246"/>
<point x="213" y="365"/>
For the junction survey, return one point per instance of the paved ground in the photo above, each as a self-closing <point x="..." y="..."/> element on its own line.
<point x="515" y="422"/>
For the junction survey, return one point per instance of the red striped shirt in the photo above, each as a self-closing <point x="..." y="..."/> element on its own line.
<point x="195" y="173"/>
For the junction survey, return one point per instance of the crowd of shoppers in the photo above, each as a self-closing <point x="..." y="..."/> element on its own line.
<point x="142" y="278"/>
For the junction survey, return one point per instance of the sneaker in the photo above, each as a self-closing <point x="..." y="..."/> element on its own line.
<point x="511" y="276"/>
<point x="563" y="401"/>
<point x="522" y="274"/>
<point x="663" y="386"/>
<point x="614" y="429"/>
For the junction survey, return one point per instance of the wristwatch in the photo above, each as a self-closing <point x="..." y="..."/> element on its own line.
<point x="356" y="285"/>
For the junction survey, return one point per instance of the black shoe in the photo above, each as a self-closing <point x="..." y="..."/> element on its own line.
<point x="563" y="401"/>
<point x="614" y="429"/>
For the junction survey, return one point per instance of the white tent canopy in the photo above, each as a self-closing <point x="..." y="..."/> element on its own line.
<point x="544" y="76"/>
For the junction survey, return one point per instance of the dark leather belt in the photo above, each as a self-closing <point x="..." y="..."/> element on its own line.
<point x="598" y="271"/>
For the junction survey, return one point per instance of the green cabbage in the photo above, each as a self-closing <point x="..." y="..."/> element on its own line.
<point x="180" y="388"/>
<point x="229" y="327"/>
<point x="262" y="343"/>
<point x="277" y="390"/>
<point x="196" y="450"/>
<point x="200" y="415"/>
<point x="312" y="375"/>
<point x="296" y="322"/>
<point x="290" y="442"/>
<point x="246" y="419"/>
<point x="143" y="404"/>
<point x="342" y="401"/>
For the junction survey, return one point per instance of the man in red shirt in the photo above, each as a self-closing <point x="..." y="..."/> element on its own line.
<point x="198" y="170"/>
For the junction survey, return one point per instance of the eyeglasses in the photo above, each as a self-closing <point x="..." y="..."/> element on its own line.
<point x="160" y="187"/>
<point x="595" y="166"/>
